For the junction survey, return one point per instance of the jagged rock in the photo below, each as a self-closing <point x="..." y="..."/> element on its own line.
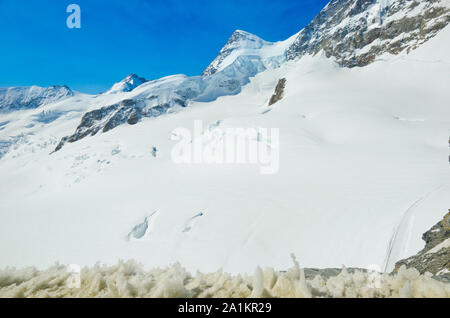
<point x="438" y="233"/>
<point x="435" y="257"/>
<point x="355" y="32"/>
<point x="279" y="91"/>
<point x="109" y="117"/>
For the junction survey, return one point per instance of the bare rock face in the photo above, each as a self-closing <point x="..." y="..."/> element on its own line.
<point x="355" y="32"/>
<point x="279" y="91"/>
<point x="435" y="257"/>
<point x="128" y="111"/>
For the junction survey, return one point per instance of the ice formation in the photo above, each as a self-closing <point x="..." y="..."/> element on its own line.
<point x="129" y="279"/>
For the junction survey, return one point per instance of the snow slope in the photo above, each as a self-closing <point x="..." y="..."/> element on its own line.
<point x="363" y="170"/>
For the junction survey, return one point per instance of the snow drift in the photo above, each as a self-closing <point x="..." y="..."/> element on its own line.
<point x="129" y="279"/>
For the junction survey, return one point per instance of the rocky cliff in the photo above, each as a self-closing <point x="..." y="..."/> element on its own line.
<point x="356" y="32"/>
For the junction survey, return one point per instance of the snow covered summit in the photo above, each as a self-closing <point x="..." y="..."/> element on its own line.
<point x="127" y="84"/>
<point x="243" y="44"/>
<point x="236" y="45"/>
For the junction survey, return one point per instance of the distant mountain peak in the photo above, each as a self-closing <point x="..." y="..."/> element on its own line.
<point x="242" y="35"/>
<point x="127" y="84"/>
<point x="133" y="78"/>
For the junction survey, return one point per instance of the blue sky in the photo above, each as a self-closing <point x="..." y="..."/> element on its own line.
<point x="152" y="38"/>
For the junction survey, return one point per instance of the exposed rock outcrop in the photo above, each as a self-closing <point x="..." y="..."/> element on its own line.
<point x="279" y="91"/>
<point x="435" y="257"/>
<point x="109" y="117"/>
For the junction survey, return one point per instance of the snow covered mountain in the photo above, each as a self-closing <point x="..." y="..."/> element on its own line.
<point x="17" y="98"/>
<point x="243" y="57"/>
<point x="363" y="152"/>
<point x="241" y="43"/>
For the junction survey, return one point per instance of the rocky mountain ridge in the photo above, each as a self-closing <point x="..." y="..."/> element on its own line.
<point x="356" y="32"/>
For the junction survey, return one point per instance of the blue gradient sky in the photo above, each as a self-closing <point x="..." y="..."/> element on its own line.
<point x="152" y="38"/>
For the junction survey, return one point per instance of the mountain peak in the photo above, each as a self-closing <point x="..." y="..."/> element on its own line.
<point x="243" y="34"/>
<point x="134" y="77"/>
<point x="238" y="42"/>
<point x="127" y="84"/>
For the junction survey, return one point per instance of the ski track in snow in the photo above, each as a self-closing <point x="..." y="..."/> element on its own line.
<point x="399" y="242"/>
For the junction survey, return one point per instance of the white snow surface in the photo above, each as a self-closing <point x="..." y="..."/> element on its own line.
<point x="363" y="173"/>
